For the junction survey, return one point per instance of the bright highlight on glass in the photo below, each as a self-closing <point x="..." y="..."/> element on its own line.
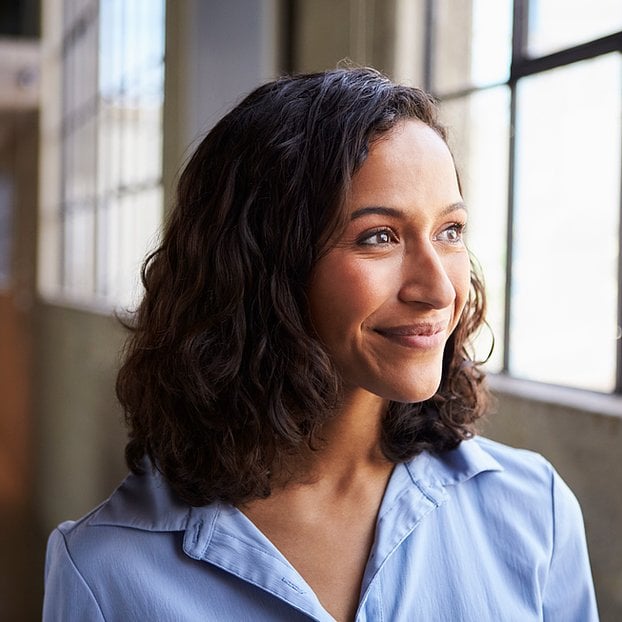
<point x="472" y="44"/>
<point x="564" y="300"/>
<point x="558" y="24"/>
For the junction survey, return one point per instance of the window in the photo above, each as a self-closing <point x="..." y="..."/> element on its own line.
<point x="532" y="93"/>
<point x="108" y="205"/>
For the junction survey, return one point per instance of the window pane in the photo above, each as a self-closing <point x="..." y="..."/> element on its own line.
<point x="472" y="44"/>
<point x="111" y="67"/>
<point x="79" y="244"/>
<point x="478" y="135"/>
<point x="557" y="24"/>
<point x="567" y="206"/>
<point x="130" y="141"/>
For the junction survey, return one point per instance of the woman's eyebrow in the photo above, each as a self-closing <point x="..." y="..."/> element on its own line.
<point x="397" y="213"/>
<point x="453" y="207"/>
<point x="382" y="211"/>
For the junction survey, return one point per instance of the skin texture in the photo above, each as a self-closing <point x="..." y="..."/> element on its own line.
<point x="384" y="299"/>
<point x="400" y="267"/>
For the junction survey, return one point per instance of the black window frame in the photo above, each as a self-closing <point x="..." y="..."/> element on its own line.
<point x="521" y="66"/>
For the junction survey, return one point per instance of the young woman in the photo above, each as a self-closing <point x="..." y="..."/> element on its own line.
<point x="300" y="397"/>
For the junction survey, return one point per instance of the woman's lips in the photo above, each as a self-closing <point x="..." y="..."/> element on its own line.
<point x="422" y="336"/>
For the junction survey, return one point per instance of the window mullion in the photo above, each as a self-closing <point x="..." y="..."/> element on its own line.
<point x="509" y="231"/>
<point x="519" y="33"/>
<point x="519" y="39"/>
<point x="429" y="35"/>
<point x="618" y="385"/>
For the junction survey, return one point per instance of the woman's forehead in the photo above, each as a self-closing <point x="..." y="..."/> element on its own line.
<point x="411" y="163"/>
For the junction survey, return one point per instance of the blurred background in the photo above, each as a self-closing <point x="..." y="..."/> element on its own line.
<point x="102" y="101"/>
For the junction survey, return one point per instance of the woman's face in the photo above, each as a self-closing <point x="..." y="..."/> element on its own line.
<point x="387" y="295"/>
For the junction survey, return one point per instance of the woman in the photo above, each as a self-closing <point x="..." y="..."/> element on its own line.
<point x="300" y="398"/>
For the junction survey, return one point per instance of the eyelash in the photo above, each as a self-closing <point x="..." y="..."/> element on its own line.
<point x="364" y="240"/>
<point x="459" y="228"/>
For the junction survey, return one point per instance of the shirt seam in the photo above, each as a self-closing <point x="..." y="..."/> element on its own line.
<point x="210" y="530"/>
<point x="77" y="570"/>
<point x="553" y="528"/>
<point x="428" y="496"/>
<point x="380" y="600"/>
<point x="406" y="490"/>
<point x="257" y="549"/>
<point x="422" y="486"/>
<point x="237" y="571"/>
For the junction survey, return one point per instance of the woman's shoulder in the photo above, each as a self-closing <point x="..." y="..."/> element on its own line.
<point x="517" y="479"/>
<point x="143" y="503"/>
<point x="488" y="471"/>
<point x="478" y="456"/>
<point x="108" y="550"/>
<point x="523" y="462"/>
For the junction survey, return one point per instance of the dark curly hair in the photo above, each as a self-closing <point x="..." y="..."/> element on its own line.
<point x="223" y="379"/>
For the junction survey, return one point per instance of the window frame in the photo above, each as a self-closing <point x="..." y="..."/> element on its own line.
<point x="523" y="65"/>
<point x="77" y="28"/>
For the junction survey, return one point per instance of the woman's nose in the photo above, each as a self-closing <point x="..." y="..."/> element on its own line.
<point x="425" y="278"/>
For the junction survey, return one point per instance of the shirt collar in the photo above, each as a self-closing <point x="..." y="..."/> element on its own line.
<point x="147" y="501"/>
<point x="144" y="502"/>
<point x="452" y="467"/>
<point x="222" y="535"/>
<point x="416" y="489"/>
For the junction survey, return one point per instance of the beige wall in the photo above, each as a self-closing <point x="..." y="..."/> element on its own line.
<point x="216" y="52"/>
<point x="363" y="32"/>
<point x="80" y="435"/>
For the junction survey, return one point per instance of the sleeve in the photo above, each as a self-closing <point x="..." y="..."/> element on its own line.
<point x="569" y="591"/>
<point x="67" y="596"/>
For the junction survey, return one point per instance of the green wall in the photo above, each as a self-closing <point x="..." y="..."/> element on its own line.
<point x="79" y="434"/>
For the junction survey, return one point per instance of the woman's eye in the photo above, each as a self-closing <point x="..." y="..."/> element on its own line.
<point x="377" y="238"/>
<point x="453" y="233"/>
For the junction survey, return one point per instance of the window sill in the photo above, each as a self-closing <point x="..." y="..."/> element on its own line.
<point x="577" y="399"/>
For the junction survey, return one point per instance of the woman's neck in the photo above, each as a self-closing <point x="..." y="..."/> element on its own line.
<point x="348" y="446"/>
<point x="323" y="519"/>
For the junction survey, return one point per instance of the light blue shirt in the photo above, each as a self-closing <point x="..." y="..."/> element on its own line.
<point x="481" y="533"/>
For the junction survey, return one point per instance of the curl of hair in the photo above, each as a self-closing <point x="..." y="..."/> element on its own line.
<point x="222" y="379"/>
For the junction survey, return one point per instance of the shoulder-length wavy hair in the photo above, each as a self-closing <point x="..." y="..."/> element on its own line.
<point x="223" y="378"/>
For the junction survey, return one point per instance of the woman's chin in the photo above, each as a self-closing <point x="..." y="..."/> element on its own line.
<point x="417" y="390"/>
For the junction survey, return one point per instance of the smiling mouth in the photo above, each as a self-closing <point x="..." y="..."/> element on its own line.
<point x="420" y="336"/>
